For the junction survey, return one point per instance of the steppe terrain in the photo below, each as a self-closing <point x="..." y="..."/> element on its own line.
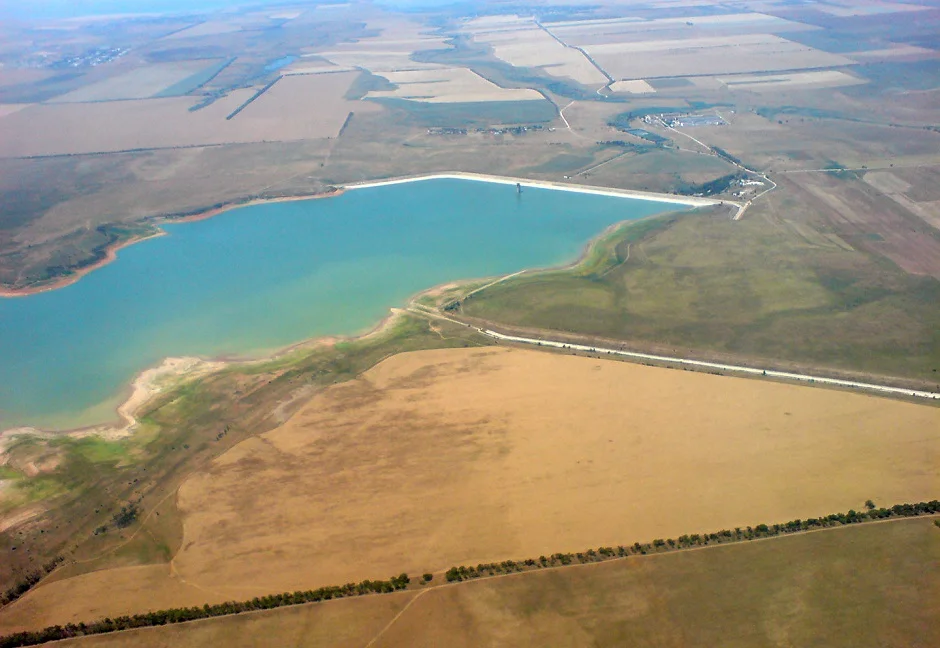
<point x="426" y="445"/>
<point x="412" y="466"/>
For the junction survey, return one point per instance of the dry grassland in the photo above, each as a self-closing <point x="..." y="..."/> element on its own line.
<point x="449" y="85"/>
<point x="773" y="82"/>
<point x="804" y="590"/>
<point x="709" y="55"/>
<point x="296" y="108"/>
<point x="463" y="456"/>
<point x="638" y="86"/>
<point x="141" y="83"/>
<point x="529" y="46"/>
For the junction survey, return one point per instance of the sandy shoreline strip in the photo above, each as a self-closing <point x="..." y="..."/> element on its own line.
<point x="169" y="374"/>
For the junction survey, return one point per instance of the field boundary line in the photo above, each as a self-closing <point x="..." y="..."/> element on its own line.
<point x="553" y="568"/>
<point x="400" y="613"/>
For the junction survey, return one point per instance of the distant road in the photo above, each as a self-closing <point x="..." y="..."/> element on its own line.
<point x="702" y="364"/>
<point x="770" y="373"/>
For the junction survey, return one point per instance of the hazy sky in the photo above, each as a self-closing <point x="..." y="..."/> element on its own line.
<point x="72" y="8"/>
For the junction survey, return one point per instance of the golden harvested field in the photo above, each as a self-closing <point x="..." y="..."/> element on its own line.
<point x="852" y="8"/>
<point x="796" y="590"/>
<point x="449" y="85"/>
<point x="529" y="46"/>
<point x="708" y="55"/>
<point x="391" y="50"/>
<point x="348" y="623"/>
<point x="437" y="458"/>
<point x="9" y="109"/>
<point x="638" y="86"/>
<point x="141" y="83"/>
<point x="910" y="52"/>
<point x="311" y="106"/>
<point x="615" y="30"/>
<point x="286" y="113"/>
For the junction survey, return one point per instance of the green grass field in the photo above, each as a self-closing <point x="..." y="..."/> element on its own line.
<point x="866" y="585"/>
<point x="750" y="289"/>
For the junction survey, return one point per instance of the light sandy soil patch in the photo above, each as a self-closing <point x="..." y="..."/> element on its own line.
<point x="450" y="85"/>
<point x="296" y="108"/>
<point x="317" y="69"/>
<point x="637" y="86"/>
<point x="463" y="456"/>
<point x="897" y="51"/>
<point x="532" y="47"/>
<point x="710" y="55"/>
<point x="9" y="109"/>
<point x="286" y="15"/>
<point x="376" y="61"/>
<point x="896" y="189"/>
<point x="210" y="28"/>
<point x="137" y="84"/>
<point x="849" y="9"/>
<point x="773" y="82"/>
<point x="615" y="30"/>
<point x="886" y="182"/>
<point x="391" y="50"/>
<point x="10" y="76"/>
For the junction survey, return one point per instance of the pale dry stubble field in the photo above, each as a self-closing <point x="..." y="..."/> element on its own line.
<point x="438" y="458"/>
<point x="296" y="108"/>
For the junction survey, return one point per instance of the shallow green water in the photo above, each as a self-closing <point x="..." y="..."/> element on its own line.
<point x="262" y="277"/>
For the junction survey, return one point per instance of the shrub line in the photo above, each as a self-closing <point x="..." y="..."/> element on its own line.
<point x="462" y="573"/>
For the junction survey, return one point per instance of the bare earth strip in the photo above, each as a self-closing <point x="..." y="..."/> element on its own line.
<point x="437" y="458"/>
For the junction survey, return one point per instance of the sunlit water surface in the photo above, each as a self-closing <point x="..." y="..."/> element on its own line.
<point x="262" y="277"/>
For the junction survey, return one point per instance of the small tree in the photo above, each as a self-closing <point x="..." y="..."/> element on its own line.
<point x="869" y="505"/>
<point x="427" y="578"/>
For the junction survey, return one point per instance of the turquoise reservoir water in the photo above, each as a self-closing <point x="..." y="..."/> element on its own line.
<point x="265" y="276"/>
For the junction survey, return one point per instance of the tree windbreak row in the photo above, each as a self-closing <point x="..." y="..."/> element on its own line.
<point x="456" y="574"/>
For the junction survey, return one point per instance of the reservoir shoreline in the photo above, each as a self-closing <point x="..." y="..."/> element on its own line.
<point x="111" y="252"/>
<point x="171" y="370"/>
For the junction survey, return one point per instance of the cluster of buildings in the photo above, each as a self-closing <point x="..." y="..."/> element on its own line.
<point x="510" y="130"/>
<point x="91" y="58"/>
<point x="683" y="119"/>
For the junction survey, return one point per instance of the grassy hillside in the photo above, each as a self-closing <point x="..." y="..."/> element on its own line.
<point x="753" y="289"/>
